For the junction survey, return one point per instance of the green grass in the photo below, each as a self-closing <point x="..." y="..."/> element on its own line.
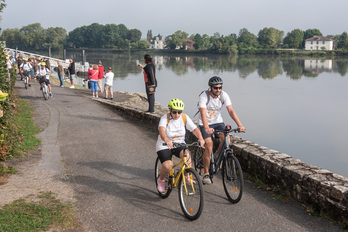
<point x="39" y="214"/>
<point x="26" y="128"/>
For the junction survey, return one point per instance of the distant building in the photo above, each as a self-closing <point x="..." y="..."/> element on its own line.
<point x="158" y="43"/>
<point x="319" y="43"/>
<point x="149" y="36"/>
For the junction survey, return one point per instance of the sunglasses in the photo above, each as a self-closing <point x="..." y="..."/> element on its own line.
<point x="217" y="87"/>
<point x="176" y="112"/>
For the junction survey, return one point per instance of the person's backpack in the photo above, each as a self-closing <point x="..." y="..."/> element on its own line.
<point x="207" y="93"/>
<point x="183" y="118"/>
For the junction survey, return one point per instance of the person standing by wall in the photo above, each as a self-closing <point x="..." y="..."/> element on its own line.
<point x="101" y="75"/>
<point x="109" y="79"/>
<point x="71" y="68"/>
<point x="61" y="74"/>
<point x="150" y="81"/>
<point x="93" y="80"/>
<point x="19" y="63"/>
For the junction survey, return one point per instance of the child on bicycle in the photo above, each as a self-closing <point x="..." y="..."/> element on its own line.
<point x="210" y="105"/>
<point x="44" y="76"/>
<point x="172" y="128"/>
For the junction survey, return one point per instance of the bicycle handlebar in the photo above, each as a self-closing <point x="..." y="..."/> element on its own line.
<point x="176" y="145"/>
<point x="228" y="129"/>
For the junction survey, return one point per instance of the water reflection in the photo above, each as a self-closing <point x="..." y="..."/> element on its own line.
<point x="123" y="64"/>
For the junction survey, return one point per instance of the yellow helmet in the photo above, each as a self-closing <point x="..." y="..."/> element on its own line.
<point x="176" y="104"/>
<point x="43" y="63"/>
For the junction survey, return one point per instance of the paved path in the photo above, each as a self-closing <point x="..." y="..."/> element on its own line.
<point x="106" y="160"/>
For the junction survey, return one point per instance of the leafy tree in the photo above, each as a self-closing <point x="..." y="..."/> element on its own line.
<point x="143" y="44"/>
<point x="343" y="41"/>
<point x="176" y="39"/>
<point x="270" y="37"/>
<point x="294" y="39"/>
<point x="247" y="39"/>
<point x="55" y="37"/>
<point x="134" y="35"/>
<point x="198" y="41"/>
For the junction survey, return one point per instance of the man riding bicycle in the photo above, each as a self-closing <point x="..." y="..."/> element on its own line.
<point x="25" y="69"/>
<point x="210" y="105"/>
<point x="43" y="75"/>
<point x="172" y="128"/>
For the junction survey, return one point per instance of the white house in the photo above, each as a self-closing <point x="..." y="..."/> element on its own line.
<point x="319" y="43"/>
<point x="158" y="43"/>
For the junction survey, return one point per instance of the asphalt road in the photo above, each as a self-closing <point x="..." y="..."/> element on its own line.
<point x="108" y="160"/>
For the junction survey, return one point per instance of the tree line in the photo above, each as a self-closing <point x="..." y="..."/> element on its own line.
<point x="113" y="36"/>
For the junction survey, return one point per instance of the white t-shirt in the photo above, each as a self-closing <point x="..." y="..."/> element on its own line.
<point x="44" y="72"/>
<point x="214" y="107"/>
<point x="26" y="67"/>
<point x="175" y="130"/>
<point x="109" y="78"/>
<point x="9" y="64"/>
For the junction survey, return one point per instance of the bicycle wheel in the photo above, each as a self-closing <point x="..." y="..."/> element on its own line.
<point x="168" y="184"/>
<point x="26" y="82"/>
<point x="191" y="195"/>
<point x="198" y="160"/>
<point x="45" y="91"/>
<point x="232" y="178"/>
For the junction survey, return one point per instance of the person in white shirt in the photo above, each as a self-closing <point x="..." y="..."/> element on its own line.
<point x="25" y="69"/>
<point x="172" y="128"/>
<point x="43" y="75"/>
<point x="210" y="105"/>
<point x="109" y="79"/>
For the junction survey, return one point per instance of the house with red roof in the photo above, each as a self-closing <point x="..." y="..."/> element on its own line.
<point x="319" y="43"/>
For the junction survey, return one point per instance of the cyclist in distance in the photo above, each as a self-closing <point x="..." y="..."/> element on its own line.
<point x="25" y="68"/>
<point x="43" y="74"/>
<point x="210" y="104"/>
<point x="172" y="128"/>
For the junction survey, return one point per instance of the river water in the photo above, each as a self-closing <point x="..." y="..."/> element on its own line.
<point x="296" y="106"/>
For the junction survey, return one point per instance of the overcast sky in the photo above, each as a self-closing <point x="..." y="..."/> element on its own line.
<point x="192" y="16"/>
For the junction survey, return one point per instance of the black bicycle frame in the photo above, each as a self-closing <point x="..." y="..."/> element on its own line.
<point x="220" y="156"/>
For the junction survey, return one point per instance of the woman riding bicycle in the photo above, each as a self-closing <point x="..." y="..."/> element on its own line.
<point x="44" y="76"/>
<point x="172" y="128"/>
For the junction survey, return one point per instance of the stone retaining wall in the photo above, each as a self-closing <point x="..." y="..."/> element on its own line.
<point x="318" y="189"/>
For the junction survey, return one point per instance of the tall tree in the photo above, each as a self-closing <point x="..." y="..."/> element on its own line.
<point x="134" y="35"/>
<point x="294" y="39"/>
<point x="343" y="41"/>
<point x="270" y="37"/>
<point x="176" y="39"/>
<point x="246" y="39"/>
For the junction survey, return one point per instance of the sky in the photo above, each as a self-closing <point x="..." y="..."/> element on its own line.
<point x="192" y="16"/>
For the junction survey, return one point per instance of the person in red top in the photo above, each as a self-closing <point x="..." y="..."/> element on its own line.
<point x="101" y="75"/>
<point x="93" y="77"/>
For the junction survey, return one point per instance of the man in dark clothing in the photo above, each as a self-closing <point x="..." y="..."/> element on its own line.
<point x="71" y="69"/>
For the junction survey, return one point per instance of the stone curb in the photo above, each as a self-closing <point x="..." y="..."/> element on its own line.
<point x="318" y="189"/>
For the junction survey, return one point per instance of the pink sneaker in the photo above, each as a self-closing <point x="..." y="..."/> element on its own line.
<point x="188" y="180"/>
<point x="160" y="185"/>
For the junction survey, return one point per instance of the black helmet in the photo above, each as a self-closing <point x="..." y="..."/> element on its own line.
<point x="215" y="80"/>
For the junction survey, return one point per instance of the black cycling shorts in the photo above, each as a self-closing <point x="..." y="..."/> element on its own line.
<point x="43" y="79"/>
<point x="167" y="154"/>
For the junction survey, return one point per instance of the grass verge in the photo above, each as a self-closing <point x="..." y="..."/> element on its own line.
<point x="20" y="134"/>
<point x="38" y="213"/>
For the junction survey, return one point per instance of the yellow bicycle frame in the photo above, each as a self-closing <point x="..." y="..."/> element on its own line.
<point x="175" y="181"/>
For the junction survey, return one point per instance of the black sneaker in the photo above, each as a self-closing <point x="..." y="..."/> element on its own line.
<point x="106" y="98"/>
<point x="111" y="98"/>
<point x="29" y="85"/>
